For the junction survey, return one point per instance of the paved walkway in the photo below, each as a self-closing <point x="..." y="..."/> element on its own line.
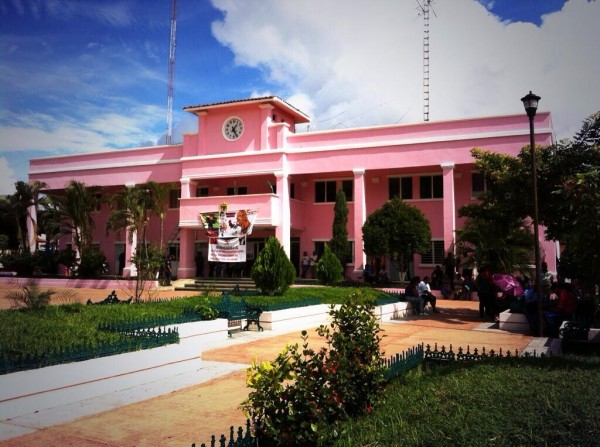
<point x="193" y="405"/>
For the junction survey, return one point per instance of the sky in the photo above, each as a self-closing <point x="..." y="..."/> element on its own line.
<point x="81" y="76"/>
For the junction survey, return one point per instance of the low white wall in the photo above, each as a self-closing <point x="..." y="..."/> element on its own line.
<point x="313" y="316"/>
<point x="295" y="319"/>
<point x="512" y="322"/>
<point x="393" y="311"/>
<point x="38" y="389"/>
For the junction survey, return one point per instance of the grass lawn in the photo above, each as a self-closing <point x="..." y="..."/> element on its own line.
<point x="510" y="402"/>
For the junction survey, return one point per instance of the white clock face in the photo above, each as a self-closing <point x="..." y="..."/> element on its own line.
<point x="233" y="128"/>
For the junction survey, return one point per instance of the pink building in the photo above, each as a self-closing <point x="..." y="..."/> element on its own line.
<point x="248" y="154"/>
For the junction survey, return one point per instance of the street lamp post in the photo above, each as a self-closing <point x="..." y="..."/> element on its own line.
<point x="530" y="102"/>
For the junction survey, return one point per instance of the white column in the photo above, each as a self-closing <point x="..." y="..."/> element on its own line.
<point x="360" y="216"/>
<point x="32" y="228"/>
<point x="283" y="230"/>
<point x="449" y="206"/>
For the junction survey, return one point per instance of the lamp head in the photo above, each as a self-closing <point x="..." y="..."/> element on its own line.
<point x="530" y="102"/>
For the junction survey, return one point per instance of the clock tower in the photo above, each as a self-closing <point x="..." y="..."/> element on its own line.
<point x="247" y="125"/>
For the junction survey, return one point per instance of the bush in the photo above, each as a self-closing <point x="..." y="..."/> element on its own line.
<point x="92" y="263"/>
<point x="273" y="272"/>
<point x="303" y="395"/>
<point x="23" y="262"/>
<point x="329" y="268"/>
<point x="205" y="309"/>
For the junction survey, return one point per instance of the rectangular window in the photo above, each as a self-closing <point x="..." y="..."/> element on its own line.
<point x="435" y="255"/>
<point x="174" y="195"/>
<point x="292" y="191"/>
<point x="348" y="188"/>
<point x="202" y="191"/>
<point x="431" y="187"/>
<point x="239" y="191"/>
<point x="320" y="248"/>
<point x="400" y="187"/>
<point x="325" y="191"/>
<point x="478" y="184"/>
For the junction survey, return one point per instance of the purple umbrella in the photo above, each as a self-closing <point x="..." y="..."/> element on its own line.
<point x="508" y="284"/>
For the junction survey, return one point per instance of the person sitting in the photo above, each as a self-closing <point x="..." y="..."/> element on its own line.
<point x="425" y="293"/>
<point x="382" y="276"/>
<point x="368" y="274"/>
<point x="411" y="294"/>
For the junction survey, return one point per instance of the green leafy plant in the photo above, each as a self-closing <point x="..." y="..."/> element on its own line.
<point x="329" y="268"/>
<point x="24" y="263"/>
<point x="302" y="396"/>
<point x="273" y="272"/>
<point x="30" y="296"/>
<point x="92" y="262"/>
<point x="205" y="309"/>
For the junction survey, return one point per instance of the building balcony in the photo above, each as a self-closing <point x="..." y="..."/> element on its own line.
<point x="266" y="205"/>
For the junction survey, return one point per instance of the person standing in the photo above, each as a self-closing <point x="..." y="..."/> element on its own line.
<point x="199" y="259"/>
<point x="167" y="271"/>
<point x="313" y="264"/>
<point x="486" y="293"/>
<point x="305" y="261"/>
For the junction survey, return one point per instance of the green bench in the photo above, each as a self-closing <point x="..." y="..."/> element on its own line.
<point x="237" y="311"/>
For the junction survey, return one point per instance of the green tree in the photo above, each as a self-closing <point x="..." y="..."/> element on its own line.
<point x="129" y="212"/>
<point x="20" y="203"/>
<point x="567" y="199"/>
<point x="339" y="244"/>
<point x="396" y="230"/>
<point x="273" y="272"/>
<point x="73" y="212"/>
<point x="160" y="203"/>
<point x="329" y="269"/>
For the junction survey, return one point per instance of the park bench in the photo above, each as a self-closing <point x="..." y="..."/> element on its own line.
<point x="238" y="311"/>
<point x="111" y="299"/>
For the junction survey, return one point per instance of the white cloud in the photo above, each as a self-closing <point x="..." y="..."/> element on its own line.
<point x="103" y="130"/>
<point x="7" y="178"/>
<point x="360" y="62"/>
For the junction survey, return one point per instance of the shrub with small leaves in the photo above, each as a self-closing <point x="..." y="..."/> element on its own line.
<point x="206" y="310"/>
<point x="273" y="272"/>
<point x="329" y="268"/>
<point x="302" y="396"/>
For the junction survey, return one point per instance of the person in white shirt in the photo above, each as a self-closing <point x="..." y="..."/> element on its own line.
<point x="425" y="293"/>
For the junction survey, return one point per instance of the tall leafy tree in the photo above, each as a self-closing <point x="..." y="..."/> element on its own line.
<point x="160" y="193"/>
<point x="340" y="246"/>
<point x="567" y="199"/>
<point x="20" y="203"/>
<point x="397" y="230"/>
<point x="272" y="271"/>
<point x="73" y="211"/>
<point x="129" y="212"/>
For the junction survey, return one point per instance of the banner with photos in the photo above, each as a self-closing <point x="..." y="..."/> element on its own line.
<point x="227" y="231"/>
<point x="227" y="249"/>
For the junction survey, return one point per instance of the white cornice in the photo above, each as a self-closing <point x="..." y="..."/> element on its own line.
<point x="297" y="150"/>
<point x="130" y="164"/>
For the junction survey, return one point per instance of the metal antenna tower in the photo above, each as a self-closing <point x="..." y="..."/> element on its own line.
<point x="425" y="8"/>
<point x="172" y="44"/>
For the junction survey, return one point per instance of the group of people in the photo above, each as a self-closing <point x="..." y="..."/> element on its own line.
<point x="452" y="283"/>
<point x="309" y="265"/>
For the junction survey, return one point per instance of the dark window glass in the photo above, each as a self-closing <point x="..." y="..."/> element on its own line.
<point x="407" y="188"/>
<point x="325" y="191"/>
<point x="174" y="195"/>
<point x="431" y="187"/>
<point x="477" y="184"/>
<point x="348" y="188"/>
<point x="202" y="192"/>
<point x="393" y="187"/>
